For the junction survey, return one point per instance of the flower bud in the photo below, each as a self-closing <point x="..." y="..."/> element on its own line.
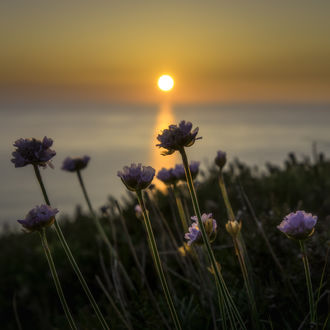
<point x="233" y="227"/>
<point x="221" y="159"/>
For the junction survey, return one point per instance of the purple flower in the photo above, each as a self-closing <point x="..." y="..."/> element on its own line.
<point x="195" y="235"/>
<point x="177" y="137"/>
<point x="167" y="176"/>
<point x="39" y="217"/>
<point x="33" y="151"/>
<point x="298" y="225"/>
<point x="179" y="171"/>
<point x="75" y="164"/>
<point x="221" y="159"/>
<point x="136" y="177"/>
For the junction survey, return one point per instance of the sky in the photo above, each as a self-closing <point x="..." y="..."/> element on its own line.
<point x="114" y="51"/>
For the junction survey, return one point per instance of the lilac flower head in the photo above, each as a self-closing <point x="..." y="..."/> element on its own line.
<point x="221" y="159"/>
<point x="39" y="217"/>
<point x="179" y="171"/>
<point x="136" y="177"/>
<point x="75" y="164"/>
<point x="195" y="236"/>
<point x="177" y="137"/>
<point x="33" y="151"/>
<point x="167" y="176"/>
<point x="298" y="225"/>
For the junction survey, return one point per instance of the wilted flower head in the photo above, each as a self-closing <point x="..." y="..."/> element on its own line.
<point x="179" y="171"/>
<point x="221" y="159"/>
<point x="195" y="235"/>
<point x="233" y="227"/>
<point x="39" y="217"/>
<point x="75" y="164"/>
<point x="177" y="137"/>
<point x="33" y="151"/>
<point x="136" y="177"/>
<point x="167" y="176"/>
<point x="298" y="225"/>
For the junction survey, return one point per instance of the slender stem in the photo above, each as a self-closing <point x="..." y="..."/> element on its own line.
<point x="70" y="256"/>
<point x="56" y="279"/>
<point x="241" y="252"/>
<point x="157" y="261"/>
<point x="225" y="197"/>
<point x="101" y="230"/>
<point x="180" y="209"/>
<point x="308" y="281"/>
<point x="218" y="277"/>
<point x="247" y="283"/>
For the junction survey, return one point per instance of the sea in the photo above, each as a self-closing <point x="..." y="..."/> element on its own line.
<point x="115" y="135"/>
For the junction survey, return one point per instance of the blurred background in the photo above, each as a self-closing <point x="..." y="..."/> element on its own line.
<point x="253" y="76"/>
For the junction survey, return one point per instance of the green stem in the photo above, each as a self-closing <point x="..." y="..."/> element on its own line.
<point x="225" y="197"/>
<point x="240" y="250"/>
<point x="157" y="261"/>
<point x="70" y="256"/>
<point x="56" y="279"/>
<point x="308" y="281"/>
<point x="180" y="209"/>
<point x="101" y="230"/>
<point x="220" y="283"/>
<point x="247" y="283"/>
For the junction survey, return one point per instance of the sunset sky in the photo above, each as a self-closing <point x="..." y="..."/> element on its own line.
<point x="217" y="51"/>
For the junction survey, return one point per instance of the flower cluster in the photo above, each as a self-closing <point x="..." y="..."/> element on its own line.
<point x="39" y="217"/>
<point x="33" y="151"/>
<point x="177" y="137"/>
<point x="75" y="164"/>
<point x="298" y="225"/>
<point x="195" y="236"/>
<point x="136" y="177"/>
<point x="167" y="176"/>
<point x="173" y="175"/>
<point x="180" y="172"/>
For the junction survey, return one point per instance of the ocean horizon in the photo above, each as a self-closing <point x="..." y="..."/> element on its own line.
<point x="117" y="135"/>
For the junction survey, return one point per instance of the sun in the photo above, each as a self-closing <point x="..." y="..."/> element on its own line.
<point x="165" y="83"/>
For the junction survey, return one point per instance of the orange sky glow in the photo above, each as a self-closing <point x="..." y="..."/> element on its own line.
<point x="216" y="51"/>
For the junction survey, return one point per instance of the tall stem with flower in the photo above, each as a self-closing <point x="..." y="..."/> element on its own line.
<point x="137" y="178"/>
<point x="176" y="138"/>
<point x="38" y="219"/>
<point x="299" y="226"/>
<point x="38" y="153"/>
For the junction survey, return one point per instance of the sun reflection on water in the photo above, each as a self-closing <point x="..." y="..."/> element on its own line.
<point x="165" y="117"/>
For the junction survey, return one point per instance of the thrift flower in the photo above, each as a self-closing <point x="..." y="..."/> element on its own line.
<point x="221" y="159"/>
<point x="167" y="176"/>
<point x="75" y="164"/>
<point x="298" y="225"/>
<point x="33" y="151"/>
<point x="39" y="217"/>
<point x="136" y="177"/>
<point x="195" y="235"/>
<point x="177" y="137"/>
<point x="180" y="173"/>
